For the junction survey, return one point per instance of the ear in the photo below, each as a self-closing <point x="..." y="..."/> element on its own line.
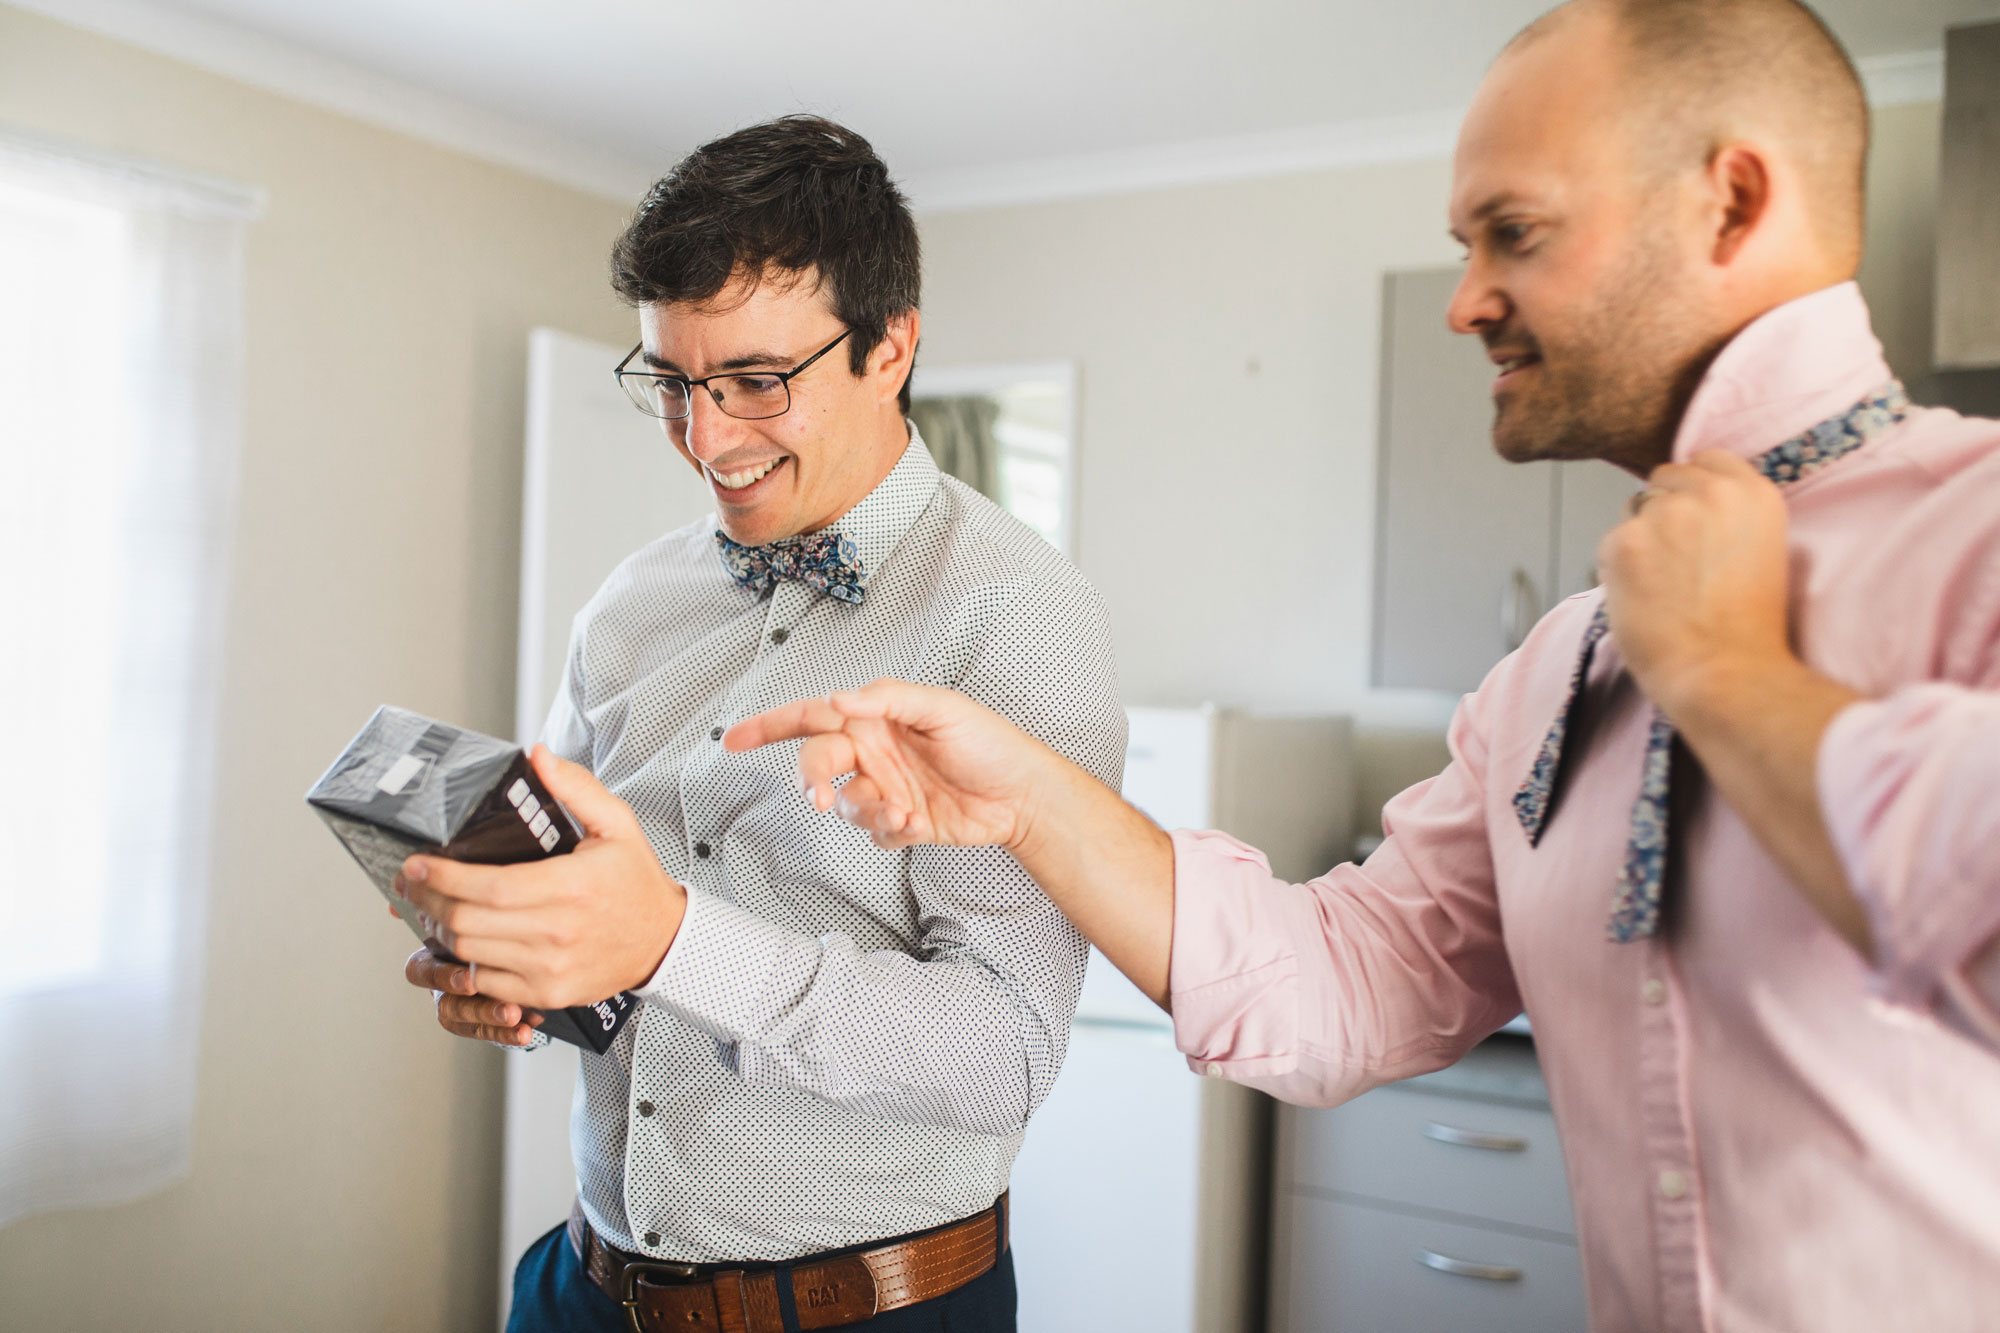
<point x="889" y="364"/>
<point x="1739" y="179"/>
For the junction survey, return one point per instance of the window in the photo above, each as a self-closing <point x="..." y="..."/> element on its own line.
<point x="120" y="352"/>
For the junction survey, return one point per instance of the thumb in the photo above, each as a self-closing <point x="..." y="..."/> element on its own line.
<point x="602" y="814"/>
<point x="1723" y="462"/>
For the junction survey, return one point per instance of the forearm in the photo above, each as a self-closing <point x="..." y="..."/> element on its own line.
<point x="1108" y="867"/>
<point x="926" y="1041"/>
<point x="1756" y="727"/>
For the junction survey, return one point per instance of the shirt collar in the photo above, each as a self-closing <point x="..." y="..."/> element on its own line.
<point x="878" y="524"/>
<point x="1788" y="370"/>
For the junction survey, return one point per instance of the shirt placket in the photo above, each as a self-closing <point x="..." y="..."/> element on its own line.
<point x="1673" y="1176"/>
<point x="703" y="834"/>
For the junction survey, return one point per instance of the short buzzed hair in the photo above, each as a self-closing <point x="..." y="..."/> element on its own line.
<point x="1702" y="72"/>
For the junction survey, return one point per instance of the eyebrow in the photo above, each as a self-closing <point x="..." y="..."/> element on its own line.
<point x="744" y="362"/>
<point x="1493" y="204"/>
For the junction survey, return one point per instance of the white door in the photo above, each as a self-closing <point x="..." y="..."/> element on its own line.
<point x="601" y="481"/>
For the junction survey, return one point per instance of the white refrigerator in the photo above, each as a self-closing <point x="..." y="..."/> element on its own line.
<point x="1141" y="1194"/>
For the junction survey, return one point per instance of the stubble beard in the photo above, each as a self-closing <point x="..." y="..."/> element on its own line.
<point x="1614" y="385"/>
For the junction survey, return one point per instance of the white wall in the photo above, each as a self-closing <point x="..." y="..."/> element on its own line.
<point x="346" y="1149"/>
<point x="1227" y="337"/>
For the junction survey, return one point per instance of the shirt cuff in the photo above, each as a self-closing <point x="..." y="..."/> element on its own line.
<point x="1230" y="953"/>
<point x="716" y="971"/>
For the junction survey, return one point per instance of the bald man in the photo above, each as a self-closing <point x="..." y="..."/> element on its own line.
<point x="1728" y="827"/>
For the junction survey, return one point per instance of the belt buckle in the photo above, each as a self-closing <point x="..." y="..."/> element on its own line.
<point x="628" y="1284"/>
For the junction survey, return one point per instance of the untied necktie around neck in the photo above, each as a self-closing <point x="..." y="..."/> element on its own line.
<point x="825" y="560"/>
<point x="1635" y="908"/>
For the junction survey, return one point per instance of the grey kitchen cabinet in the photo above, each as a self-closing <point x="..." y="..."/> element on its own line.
<point x="1470" y="550"/>
<point x="1968" y="226"/>
<point x="1439" y="1203"/>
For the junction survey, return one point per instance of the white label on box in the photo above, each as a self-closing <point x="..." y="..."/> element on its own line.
<point x="400" y="773"/>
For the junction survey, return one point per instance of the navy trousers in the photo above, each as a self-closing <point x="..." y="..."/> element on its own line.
<point x="552" y="1294"/>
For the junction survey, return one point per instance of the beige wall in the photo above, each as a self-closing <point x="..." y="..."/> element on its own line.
<point x="346" y="1149"/>
<point x="1227" y="336"/>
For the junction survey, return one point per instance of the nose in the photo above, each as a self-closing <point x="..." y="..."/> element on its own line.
<point x="1477" y="303"/>
<point x="711" y="432"/>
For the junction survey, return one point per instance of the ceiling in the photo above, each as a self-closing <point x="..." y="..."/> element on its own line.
<point x="610" y="92"/>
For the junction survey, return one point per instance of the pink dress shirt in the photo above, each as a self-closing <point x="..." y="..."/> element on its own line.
<point x="1762" y="1130"/>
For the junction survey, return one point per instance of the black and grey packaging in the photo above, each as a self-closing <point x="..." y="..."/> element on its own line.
<point x="408" y="784"/>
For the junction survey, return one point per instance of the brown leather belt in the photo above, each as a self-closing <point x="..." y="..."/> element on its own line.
<point x="827" y="1292"/>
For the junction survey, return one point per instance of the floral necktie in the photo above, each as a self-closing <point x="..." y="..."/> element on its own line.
<point x="825" y="560"/>
<point x="1635" y="908"/>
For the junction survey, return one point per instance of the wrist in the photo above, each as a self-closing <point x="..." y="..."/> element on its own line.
<point x="667" y="929"/>
<point x="1729" y="689"/>
<point x="1041" y="798"/>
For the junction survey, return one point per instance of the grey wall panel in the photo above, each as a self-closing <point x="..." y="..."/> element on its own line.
<point x="1590" y="501"/>
<point x="1457" y="528"/>
<point x="1968" y="265"/>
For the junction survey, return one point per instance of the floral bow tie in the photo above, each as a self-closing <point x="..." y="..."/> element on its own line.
<point x="1635" y="908"/>
<point x="825" y="560"/>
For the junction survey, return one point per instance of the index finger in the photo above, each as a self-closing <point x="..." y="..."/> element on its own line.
<point x="790" y="722"/>
<point x="426" y="971"/>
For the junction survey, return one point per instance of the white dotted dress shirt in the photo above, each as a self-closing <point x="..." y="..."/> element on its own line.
<point x="844" y="1043"/>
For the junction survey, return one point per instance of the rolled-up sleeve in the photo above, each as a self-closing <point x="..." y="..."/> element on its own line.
<point x="1317" y="992"/>
<point x="1909" y="787"/>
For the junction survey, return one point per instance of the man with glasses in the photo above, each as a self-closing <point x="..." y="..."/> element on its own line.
<point x="810" y="1121"/>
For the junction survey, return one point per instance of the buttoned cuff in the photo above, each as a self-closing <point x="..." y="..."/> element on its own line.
<point x="717" y="975"/>
<point x="1228" y="960"/>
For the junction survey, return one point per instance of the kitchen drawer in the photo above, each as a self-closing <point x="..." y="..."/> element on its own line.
<point x="1484" y="1160"/>
<point x="1357" y="1269"/>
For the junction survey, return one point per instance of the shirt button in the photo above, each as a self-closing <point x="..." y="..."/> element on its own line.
<point x="701" y="849"/>
<point x="715" y="733"/>
<point x="652" y="1238"/>
<point x="645" y="1108"/>
<point x="779" y="635"/>
<point x="1673" y="1185"/>
<point x="1654" y="991"/>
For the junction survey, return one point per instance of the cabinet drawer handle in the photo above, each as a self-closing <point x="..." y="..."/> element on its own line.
<point x="1472" y="1138"/>
<point x="1444" y="1263"/>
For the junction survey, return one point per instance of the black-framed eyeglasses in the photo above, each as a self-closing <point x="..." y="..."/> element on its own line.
<point x="748" y="396"/>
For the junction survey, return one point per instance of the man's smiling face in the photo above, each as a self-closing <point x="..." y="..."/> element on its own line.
<point x="796" y="473"/>
<point x="1581" y="273"/>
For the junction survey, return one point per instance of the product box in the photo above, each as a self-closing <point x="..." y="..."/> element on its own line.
<point x="407" y="784"/>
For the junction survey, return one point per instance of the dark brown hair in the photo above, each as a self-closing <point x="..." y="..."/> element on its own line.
<point x="797" y="195"/>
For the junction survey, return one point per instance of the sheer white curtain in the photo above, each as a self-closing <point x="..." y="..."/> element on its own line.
<point x="121" y="351"/>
